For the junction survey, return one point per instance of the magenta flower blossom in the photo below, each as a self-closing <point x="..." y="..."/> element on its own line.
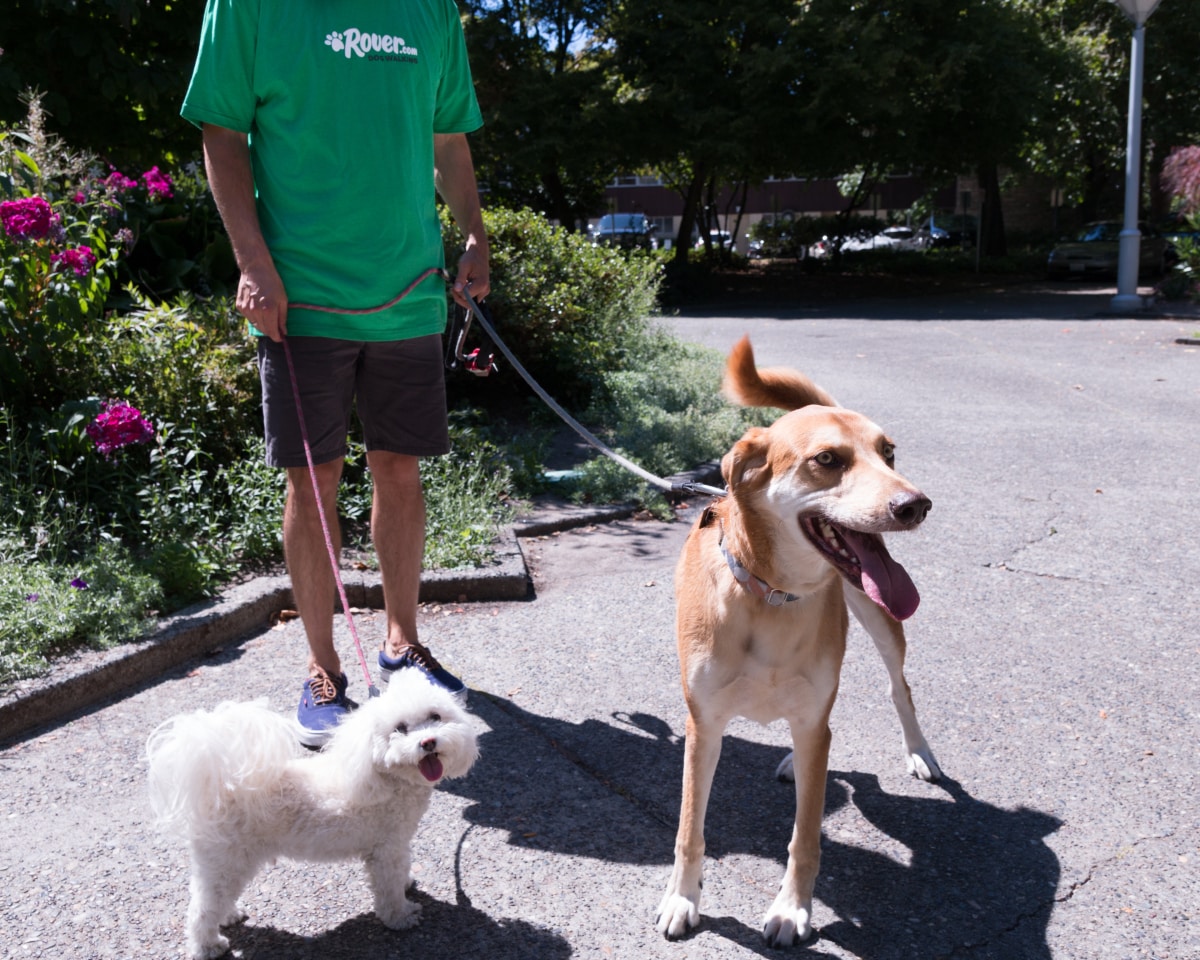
<point x="118" y="182"/>
<point x="158" y="184"/>
<point x="28" y="217"/>
<point x="117" y="426"/>
<point x="79" y="583"/>
<point x="79" y="197"/>
<point x="80" y="259"/>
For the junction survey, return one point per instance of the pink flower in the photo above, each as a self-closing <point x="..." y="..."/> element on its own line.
<point x="158" y="184"/>
<point x="79" y="197"/>
<point x="117" y="426"/>
<point x="80" y="259"/>
<point x="118" y="182"/>
<point x="28" y="217"/>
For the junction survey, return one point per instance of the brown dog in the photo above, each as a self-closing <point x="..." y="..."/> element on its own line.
<point x="762" y="589"/>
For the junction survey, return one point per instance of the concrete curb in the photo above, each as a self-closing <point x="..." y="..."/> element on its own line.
<point x="86" y="678"/>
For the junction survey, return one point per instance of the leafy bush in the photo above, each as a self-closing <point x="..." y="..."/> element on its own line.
<point x="49" y="609"/>
<point x="567" y="309"/>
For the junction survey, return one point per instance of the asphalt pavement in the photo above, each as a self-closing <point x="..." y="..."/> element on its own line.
<point x="1054" y="662"/>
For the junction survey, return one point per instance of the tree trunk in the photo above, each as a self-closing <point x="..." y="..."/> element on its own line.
<point x="993" y="241"/>
<point x="687" y="221"/>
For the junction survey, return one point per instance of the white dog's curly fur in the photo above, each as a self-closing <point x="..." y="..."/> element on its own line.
<point x="237" y="786"/>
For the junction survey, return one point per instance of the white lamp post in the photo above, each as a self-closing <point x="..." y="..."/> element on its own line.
<point x="1131" y="238"/>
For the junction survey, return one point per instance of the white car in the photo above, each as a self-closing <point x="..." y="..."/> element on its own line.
<point x="893" y="238"/>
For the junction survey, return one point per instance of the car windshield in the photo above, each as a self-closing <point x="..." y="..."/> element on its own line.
<point x="1094" y="232"/>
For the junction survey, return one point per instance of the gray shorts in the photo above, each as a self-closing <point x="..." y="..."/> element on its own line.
<point x="396" y="387"/>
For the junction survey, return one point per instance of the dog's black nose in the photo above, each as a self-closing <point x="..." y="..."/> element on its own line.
<point x="910" y="508"/>
<point x="430" y="745"/>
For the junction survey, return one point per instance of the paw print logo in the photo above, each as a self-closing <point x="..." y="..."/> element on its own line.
<point x="334" y="42"/>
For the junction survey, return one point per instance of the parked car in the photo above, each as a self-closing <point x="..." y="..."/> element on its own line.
<point x="891" y="238"/>
<point x="1095" y="252"/>
<point x="625" y="230"/>
<point x="951" y="230"/>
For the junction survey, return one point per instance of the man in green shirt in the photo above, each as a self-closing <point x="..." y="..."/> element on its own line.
<point x="328" y="131"/>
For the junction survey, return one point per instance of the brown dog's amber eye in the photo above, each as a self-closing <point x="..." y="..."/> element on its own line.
<point x="827" y="458"/>
<point x="889" y="452"/>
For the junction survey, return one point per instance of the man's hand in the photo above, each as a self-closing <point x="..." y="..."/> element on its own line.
<point x="472" y="277"/>
<point x="262" y="300"/>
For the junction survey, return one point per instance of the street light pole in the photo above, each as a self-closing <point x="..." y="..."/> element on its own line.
<point x="1129" y="251"/>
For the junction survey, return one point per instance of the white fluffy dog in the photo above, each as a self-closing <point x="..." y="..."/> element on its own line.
<point x="238" y="787"/>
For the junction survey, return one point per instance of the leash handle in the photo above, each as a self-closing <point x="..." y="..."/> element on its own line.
<point x="372" y="691"/>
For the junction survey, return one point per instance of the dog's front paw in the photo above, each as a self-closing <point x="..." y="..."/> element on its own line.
<point x="399" y="916"/>
<point x="236" y="915"/>
<point x="677" y="915"/>
<point x="209" y="950"/>
<point x="922" y="765"/>
<point x="786" y="923"/>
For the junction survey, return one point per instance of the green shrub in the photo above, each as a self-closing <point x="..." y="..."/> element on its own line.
<point x="49" y="609"/>
<point x="568" y="309"/>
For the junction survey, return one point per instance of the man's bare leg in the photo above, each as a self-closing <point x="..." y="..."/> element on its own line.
<point x="307" y="557"/>
<point x="398" y="532"/>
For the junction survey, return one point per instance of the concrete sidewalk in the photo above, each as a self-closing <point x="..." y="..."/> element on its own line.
<point x="1054" y="665"/>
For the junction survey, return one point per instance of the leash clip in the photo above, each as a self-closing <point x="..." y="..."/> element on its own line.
<point x="475" y="362"/>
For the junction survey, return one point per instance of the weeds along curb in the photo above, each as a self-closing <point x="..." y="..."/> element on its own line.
<point x="83" y="680"/>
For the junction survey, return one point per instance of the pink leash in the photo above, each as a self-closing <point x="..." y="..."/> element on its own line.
<point x="372" y="690"/>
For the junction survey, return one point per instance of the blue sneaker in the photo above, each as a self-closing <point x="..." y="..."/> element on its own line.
<point x="418" y="657"/>
<point x="323" y="705"/>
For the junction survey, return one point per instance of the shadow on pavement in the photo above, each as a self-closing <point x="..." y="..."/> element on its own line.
<point x="445" y="930"/>
<point x="977" y="875"/>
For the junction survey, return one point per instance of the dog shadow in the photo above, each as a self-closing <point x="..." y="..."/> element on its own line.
<point x="976" y="874"/>
<point x="445" y="930"/>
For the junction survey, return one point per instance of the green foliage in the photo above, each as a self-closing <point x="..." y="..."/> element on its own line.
<point x="667" y="414"/>
<point x="567" y="308"/>
<point x="466" y="496"/>
<point x="49" y="609"/>
<point x="115" y="72"/>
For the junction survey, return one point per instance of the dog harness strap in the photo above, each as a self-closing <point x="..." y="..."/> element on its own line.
<point x="752" y="584"/>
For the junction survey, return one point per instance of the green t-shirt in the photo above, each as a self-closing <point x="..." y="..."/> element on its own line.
<point x="341" y="99"/>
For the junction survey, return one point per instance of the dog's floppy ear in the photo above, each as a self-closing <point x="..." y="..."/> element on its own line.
<point x="746" y="460"/>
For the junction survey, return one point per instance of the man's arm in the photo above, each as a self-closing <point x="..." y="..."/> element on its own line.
<point x="454" y="176"/>
<point x="261" y="298"/>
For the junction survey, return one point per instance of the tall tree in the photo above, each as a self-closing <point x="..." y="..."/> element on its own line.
<point x="699" y="86"/>
<point x="549" y="139"/>
<point x="113" y="72"/>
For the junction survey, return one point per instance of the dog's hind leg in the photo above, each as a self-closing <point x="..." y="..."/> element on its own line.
<point x="789" y="920"/>
<point x="218" y="878"/>
<point x="679" y="909"/>
<point x="888" y="635"/>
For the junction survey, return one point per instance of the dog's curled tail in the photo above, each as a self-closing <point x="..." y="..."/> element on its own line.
<point x="780" y="387"/>
<point x="200" y="761"/>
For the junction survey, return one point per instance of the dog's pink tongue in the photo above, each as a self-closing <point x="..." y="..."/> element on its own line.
<point x="431" y="768"/>
<point x="883" y="579"/>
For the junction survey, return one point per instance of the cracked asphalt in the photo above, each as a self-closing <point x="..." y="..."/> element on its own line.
<point x="1054" y="661"/>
